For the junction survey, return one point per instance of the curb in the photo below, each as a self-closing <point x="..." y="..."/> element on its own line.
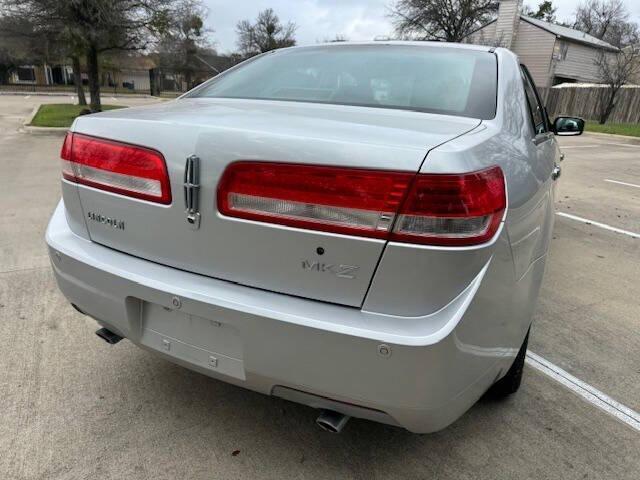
<point x="27" y="128"/>
<point x="613" y="136"/>
<point x="72" y="94"/>
<point x="30" y="117"/>
<point x="59" y="131"/>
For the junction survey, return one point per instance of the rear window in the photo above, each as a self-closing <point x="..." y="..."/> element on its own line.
<point x="443" y="80"/>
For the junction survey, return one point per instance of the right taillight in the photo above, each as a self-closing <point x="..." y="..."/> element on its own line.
<point x="432" y="209"/>
<point x="452" y="209"/>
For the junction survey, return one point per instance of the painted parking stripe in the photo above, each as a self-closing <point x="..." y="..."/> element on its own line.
<point x="624" y="145"/>
<point x="580" y="146"/>
<point x="587" y="392"/>
<point x="600" y="145"/>
<point x="621" y="183"/>
<point x="598" y="224"/>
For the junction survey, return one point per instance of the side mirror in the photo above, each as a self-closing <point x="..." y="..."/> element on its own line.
<point x="568" y="126"/>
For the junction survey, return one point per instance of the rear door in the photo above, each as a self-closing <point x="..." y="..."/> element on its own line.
<point x="544" y="151"/>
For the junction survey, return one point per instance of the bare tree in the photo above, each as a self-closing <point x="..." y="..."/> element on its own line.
<point x="607" y="20"/>
<point x="266" y="34"/>
<point x="444" y="20"/>
<point x="615" y="70"/>
<point x="185" y="40"/>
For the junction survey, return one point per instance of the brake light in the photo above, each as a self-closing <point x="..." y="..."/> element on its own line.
<point x="116" y="167"/>
<point x="433" y="209"/>
<point x="342" y="200"/>
<point x="452" y="209"/>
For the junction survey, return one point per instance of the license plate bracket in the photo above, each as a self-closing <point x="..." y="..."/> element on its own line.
<point x="208" y="343"/>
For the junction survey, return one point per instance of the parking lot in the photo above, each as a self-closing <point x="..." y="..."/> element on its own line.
<point x="74" y="407"/>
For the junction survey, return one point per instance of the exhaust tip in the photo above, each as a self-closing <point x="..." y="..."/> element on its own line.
<point x="108" y="336"/>
<point x="331" y="421"/>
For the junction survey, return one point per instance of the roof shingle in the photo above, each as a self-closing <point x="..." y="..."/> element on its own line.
<point x="569" y="33"/>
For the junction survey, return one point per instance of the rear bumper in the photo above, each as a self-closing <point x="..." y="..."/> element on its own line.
<point x="319" y="354"/>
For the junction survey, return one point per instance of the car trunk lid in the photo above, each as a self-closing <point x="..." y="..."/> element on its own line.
<point x="313" y="264"/>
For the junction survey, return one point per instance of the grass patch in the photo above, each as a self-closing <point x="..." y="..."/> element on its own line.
<point x="629" y="129"/>
<point x="61" y="114"/>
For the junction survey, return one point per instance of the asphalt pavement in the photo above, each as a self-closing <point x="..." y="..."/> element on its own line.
<point x="74" y="407"/>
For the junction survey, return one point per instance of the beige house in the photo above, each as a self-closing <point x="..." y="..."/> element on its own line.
<point x="121" y="72"/>
<point x="553" y="54"/>
<point x="42" y="74"/>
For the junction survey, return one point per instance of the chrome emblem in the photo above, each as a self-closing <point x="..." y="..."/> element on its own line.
<point x="114" y="223"/>
<point x="192" y="191"/>
<point x="340" y="271"/>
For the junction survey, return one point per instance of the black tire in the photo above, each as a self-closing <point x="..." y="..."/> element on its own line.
<point x="510" y="383"/>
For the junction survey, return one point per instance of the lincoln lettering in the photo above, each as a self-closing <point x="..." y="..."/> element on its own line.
<point x="111" y="222"/>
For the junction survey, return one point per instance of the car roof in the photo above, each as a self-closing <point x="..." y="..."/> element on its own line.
<point x="381" y="43"/>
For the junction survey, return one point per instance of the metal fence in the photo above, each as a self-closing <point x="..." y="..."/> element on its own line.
<point x="112" y="81"/>
<point x="70" y="89"/>
<point x="35" y="87"/>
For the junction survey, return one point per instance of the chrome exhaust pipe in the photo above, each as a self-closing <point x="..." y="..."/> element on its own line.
<point x="331" y="421"/>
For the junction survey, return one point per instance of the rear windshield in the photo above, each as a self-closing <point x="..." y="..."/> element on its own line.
<point x="442" y="80"/>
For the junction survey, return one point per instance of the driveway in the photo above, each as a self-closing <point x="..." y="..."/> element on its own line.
<point x="75" y="407"/>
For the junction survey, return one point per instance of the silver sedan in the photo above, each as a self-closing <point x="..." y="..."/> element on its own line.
<point x="362" y="228"/>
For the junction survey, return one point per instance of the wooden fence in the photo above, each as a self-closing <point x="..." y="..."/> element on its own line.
<point x="585" y="102"/>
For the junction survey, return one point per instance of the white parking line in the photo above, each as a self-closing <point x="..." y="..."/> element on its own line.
<point x="580" y="146"/>
<point x="586" y="391"/>
<point x="621" y="183"/>
<point x="601" y="145"/>
<point x="598" y="224"/>
<point x="624" y="145"/>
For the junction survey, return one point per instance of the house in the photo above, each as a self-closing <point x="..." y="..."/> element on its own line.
<point x="127" y="71"/>
<point x="118" y="71"/>
<point x="42" y="74"/>
<point x="169" y="77"/>
<point x="553" y="54"/>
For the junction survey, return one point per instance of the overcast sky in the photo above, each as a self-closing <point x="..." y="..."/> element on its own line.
<point x="320" y="20"/>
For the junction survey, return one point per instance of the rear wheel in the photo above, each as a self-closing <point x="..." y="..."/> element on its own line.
<point x="510" y="383"/>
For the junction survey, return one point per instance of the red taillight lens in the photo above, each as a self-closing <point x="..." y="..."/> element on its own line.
<point x="116" y="167"/>
<point x="342" y="200"/>
<point x="438" y="209"/>
<point x="461" y="209"/>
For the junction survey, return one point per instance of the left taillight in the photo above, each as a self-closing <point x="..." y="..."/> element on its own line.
<point x="116" y="167"/>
